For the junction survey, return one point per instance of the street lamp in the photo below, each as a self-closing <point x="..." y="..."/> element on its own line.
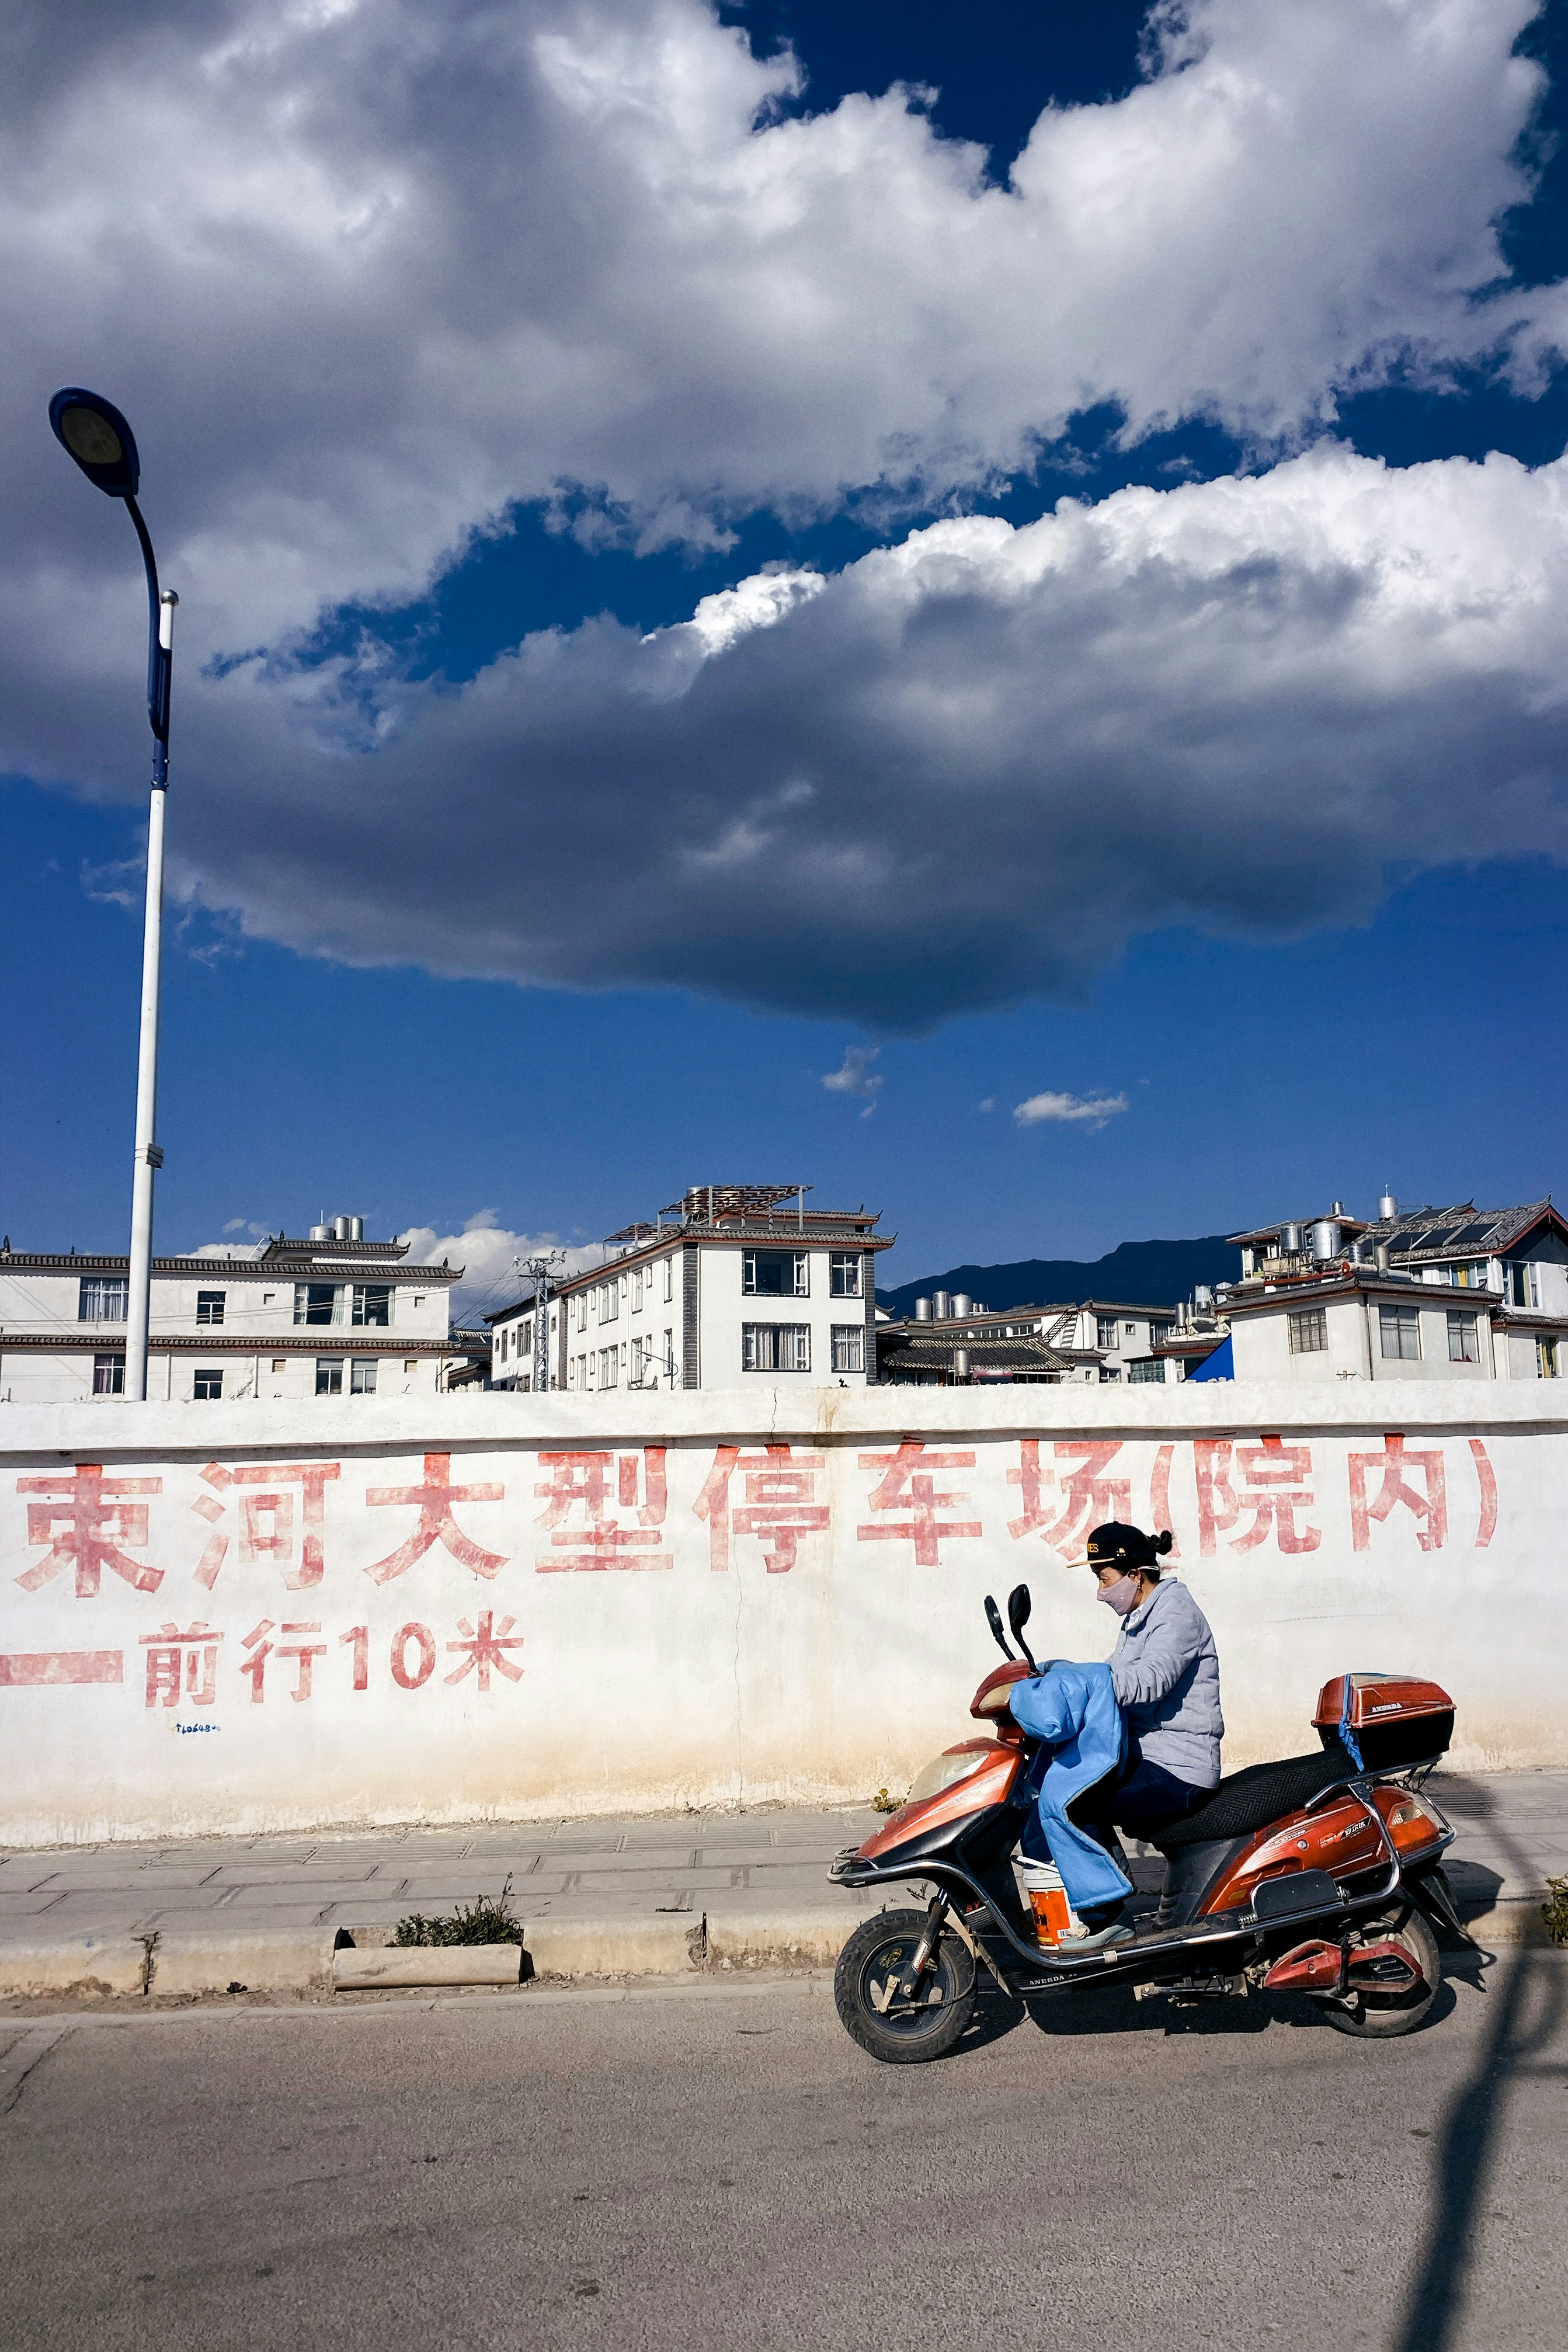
<point x="92" y="431"/>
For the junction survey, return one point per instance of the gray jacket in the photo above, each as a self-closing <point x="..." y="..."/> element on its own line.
<point x="1166" y="1673"/>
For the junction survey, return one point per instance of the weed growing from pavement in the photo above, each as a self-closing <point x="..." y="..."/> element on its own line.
<point x="473" y="1923"/>
<point x="1555" y="1910"/>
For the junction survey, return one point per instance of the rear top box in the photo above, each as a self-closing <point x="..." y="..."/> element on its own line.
<point x="1394" y="1719"/>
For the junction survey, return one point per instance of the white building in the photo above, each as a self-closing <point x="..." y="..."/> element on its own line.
<point x="955" y="1340"/>
<point x="733" y="1286"/>
<point x="331" y="1315"/>
<point x="1463" y="1294"/>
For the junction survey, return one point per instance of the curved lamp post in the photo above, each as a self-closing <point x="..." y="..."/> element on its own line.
<point x="92" y="431"/>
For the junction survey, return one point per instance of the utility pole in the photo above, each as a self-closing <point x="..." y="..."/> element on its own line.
<point x="540" y="1269"/>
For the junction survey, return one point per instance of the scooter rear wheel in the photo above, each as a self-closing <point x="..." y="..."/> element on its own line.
<point x="1378" y="2016"/>
<point x="865" y="1990"/>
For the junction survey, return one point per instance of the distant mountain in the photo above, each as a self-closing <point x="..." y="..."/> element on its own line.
<point x="1143" y="1273"/>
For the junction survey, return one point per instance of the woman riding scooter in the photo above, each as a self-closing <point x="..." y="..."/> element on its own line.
<point x="1165" y="1670"/>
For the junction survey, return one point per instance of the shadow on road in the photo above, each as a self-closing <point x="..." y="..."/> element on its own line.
<point x="1531" y="1994"/>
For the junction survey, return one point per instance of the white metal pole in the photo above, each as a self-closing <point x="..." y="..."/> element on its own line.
<point x="149" y="1159"/>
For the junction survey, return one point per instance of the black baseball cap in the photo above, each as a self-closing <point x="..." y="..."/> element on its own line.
<point x="1129" y="1548"/>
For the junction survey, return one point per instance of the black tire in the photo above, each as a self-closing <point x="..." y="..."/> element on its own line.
<point x="902" y="2033"/>
<point x="1378" y="2017"/>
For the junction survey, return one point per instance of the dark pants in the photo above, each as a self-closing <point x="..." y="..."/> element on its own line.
<point x="1140" y="1799"/>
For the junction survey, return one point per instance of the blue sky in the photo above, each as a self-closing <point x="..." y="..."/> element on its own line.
<point x="1300" y="939"/>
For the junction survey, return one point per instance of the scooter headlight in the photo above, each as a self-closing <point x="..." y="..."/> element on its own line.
<point x="943" y="1772"/>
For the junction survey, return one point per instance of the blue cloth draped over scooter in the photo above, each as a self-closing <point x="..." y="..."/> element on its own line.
<point x="1073" y="1710"/>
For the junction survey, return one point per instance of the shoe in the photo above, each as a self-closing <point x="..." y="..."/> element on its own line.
<point x="1120" y="1931"/>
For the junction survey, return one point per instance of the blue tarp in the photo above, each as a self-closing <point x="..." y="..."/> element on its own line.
<point x="1074" y="1710"/>
<point x="1220" y="1366"/>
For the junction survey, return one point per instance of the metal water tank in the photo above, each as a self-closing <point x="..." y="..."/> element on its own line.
<point x="922" y="1310"/>
<point x="356" y="1229"/>
<point x="1388" y="1207"/>
<point x="1327" y="1239"/>
<point x="1290" y="1241"/>
<point x="962" y="1305"/>
<point x="960" y="1363"/>
<point x="1203" y="1298"/>
<point x="320" y="1233"/>
<point x="941" y="1306"/>
<point x="339" y="1229"/>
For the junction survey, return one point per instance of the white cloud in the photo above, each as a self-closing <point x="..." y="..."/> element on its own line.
<point x="395" y="267"/>
<point x="855" y="1076"/>
<point x="1091" y="1110"/>
<point x="967" y="770"/>
<point x="487" y="1251"/>
<point x="989" y="1103"/>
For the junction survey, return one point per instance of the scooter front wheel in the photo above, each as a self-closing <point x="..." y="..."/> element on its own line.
<point x="898" y="2030"/>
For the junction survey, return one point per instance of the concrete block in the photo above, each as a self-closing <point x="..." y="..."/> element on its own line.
<point x="610" y="1948"/>
<point x="363" y="1969"/>
<point x="80" y="1964"/>
<point x="786" y="1937"/>
<point x="267" y="1959"/>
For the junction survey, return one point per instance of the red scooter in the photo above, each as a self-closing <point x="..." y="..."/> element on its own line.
<point x="1320" y="1874"/>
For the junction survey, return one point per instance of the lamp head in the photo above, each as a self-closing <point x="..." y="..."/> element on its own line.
<point x="91" y="430"/>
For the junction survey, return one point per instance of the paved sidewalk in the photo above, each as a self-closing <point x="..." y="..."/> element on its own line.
<point x="602" y="1894"/>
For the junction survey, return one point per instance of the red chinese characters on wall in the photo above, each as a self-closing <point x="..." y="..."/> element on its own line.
<point x="1270" y="1480"/>
<point x="603" y="1510"/>
<point x="1087" y="1497"/>
<point x="1393" y="1469"/>
<point x="182" y="1662"/>
<point x="267" y="1521"/>
<point x="88" y="1527"/>
<point x="433" y="1501"/>
<point x="908" y="1484"/>
<point x="778" y="1504"/>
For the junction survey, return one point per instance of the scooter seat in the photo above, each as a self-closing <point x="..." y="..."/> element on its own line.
<point x="1250" y="1799"/>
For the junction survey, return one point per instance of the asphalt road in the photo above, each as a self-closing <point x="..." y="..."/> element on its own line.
<point x="718" y="2165"/>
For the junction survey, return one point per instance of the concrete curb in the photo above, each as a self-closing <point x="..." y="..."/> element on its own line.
<point x="296" y="1961"/>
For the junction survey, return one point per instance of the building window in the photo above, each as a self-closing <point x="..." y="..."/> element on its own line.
<point x="775" y="1346"/>
<point x="1309" y="1331"/>
<point x="410" y="1365"/>
<point x="582" y="1310"/>
<point x="609" y="1297"/>
<point x="108" y="1376"/>
<point x="1147" y="1368"/>
<point x="210" y="1306"/>
<point x="775" y="1273"/>
<point x="609" y="1367"/>
<point x="1462" y="1347"/>
<point x="1546" y="1357"/>
<point x="362" y="1376"/>
<point x="1104" y="1330"/>
<point x="104" y="1299"/>
<point x="208" y="1385"/>
<point x="329" y="1376"/>
<point x="525" y="1338"/>
<point x="844" y="1274"/>
<point x="637" y="1290"/>
<point x="316" y="1302"/>
<point x="1399" y="1329"/>
<point x="1161" y="1334"/>
<point x="1108" y="1372"/>
<point x="1131" y="1330"/>
<point x="1523" y="1290"/>
<point x="849" y="1347"/>
<point x="669" y="1265"/>
<point x="372" y="1306"/>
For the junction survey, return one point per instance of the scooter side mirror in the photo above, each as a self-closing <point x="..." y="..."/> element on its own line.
<point x="1019" y="1606"/>
<point x="994" y="1620"/>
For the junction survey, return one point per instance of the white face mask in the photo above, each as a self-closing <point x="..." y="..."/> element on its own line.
<point x="1122" y="1596"/>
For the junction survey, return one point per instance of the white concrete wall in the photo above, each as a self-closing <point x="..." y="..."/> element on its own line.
<point x="669" y="1656"/>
